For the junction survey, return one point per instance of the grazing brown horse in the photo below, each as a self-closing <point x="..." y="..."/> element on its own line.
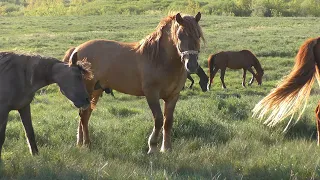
<point x="235" y="60"/>
<point x="156" y="67"/>
<point x="22" y="75"/>
<point x="294" y="90"/>
<point x="203" y="79"/>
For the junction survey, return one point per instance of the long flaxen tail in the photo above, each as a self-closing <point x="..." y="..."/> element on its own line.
<point x="293" y="91"/>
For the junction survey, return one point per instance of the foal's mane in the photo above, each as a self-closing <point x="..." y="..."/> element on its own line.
<point x="150" y="45"/>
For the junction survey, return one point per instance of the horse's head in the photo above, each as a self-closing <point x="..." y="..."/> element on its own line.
<point x="70" y="80"/>
<point x="188" y="35"/>
<point x="259" y="77"/>
<point x="204" y="84"/>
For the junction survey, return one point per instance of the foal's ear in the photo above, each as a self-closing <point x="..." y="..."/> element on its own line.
<point x="74" y="58"/>
<point x="179" y="19"/>
<point x="198" y="17"/>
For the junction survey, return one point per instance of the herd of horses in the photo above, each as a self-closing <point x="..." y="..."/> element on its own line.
<point x="155" y="67"/>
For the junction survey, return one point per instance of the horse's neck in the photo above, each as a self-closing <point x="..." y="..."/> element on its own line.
<point x="257" y="65"/>
<point x="42" y="73"/>
<point x="201" y="73"/>
<point x="167" y="45"/>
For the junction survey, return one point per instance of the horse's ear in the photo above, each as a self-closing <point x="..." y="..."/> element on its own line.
<point x="198" y="17"/>
<point x="74" y="58"/>
<point x="179" y="19"/>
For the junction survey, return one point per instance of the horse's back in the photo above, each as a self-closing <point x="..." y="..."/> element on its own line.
<point x="234" y="59"/>
<point x="116" y="65"/>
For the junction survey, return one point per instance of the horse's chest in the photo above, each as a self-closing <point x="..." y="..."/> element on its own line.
<point x="173" y="84"/>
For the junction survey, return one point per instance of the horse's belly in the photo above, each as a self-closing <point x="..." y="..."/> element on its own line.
<point x="128" y="83"/>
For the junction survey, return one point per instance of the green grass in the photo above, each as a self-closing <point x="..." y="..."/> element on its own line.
<point x="214" y="135"/>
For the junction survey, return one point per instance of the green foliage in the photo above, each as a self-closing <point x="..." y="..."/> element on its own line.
<point x="214" y="135"/>
<point x="260" y="8"/>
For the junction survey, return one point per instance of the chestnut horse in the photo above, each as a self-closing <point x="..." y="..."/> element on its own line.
<point x="22" y="75"/>
<point x="294" y="90"/>
<point x="156" y="67"/>
<point x="203" y="79"/>
<point x="235" y="60"/>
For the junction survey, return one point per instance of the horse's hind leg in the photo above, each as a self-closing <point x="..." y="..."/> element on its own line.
<point x="318" y="123"/>
<point x="153" y="102"/>
<point x="244" y="78"/>
<point x="83" y="129"/>
<point x="222" y="73"/>
<point x="214" y="72"/>
<point x="191" y="79"/>
<point x="3" y="125"/>
<point x="25" y="115"/>
<point x="169" y="107"/>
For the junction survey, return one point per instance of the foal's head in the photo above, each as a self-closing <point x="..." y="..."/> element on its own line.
<point x="70" y="80"/>
<point x="188" y="35"/>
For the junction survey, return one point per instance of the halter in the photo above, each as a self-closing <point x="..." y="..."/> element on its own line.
<point x="193" y="52"/>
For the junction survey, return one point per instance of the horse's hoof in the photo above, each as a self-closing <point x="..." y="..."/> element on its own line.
<point x="152" y="150"/>
<point x="165" y="150"/>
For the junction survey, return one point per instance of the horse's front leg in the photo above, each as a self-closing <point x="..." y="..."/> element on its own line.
<point x="153" y="102"/>
<point x="169" y="107"/>
<point x="83" y="128"/>
<point x="253" y="76"/>
<point x="3" y="125"/>
<point x="244" y="77"/>
<point x="25" y="115"/>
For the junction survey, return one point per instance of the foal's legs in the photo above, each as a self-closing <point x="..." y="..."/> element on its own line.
<point x="3" y="125"/>
<point x="318" y="123"/>
<point x="191" y="79"/>
<point x="83" y="130"/>
<point x="244" y="77"/>
<point x="169" y="107"/>
<point x="26" y="120"/>
<point x="153" y="102"/>
<point x="214" y="72"/>
<point x="253" y="75"/>
<point x="222" y="73"/>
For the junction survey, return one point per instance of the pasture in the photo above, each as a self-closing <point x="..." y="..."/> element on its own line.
<point x="214" y="135"/>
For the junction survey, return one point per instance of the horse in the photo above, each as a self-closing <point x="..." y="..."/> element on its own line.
<point x="155" y="67"/>
<point x="22" y="75"/>
<point x="286" y="99"/>
<point x="203" y="79"/>
<point x="235" y="60"/>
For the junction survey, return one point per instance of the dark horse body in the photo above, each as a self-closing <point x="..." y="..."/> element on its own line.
<point x="203" y="79"/>
<point x="22" y="75"/>
<point x="294" y="90"/>
<point x="235" y="60"/>
<point x="155" y="68"/>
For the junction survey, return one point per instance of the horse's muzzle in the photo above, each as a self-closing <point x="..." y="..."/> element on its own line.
<point x="191" y="65"/>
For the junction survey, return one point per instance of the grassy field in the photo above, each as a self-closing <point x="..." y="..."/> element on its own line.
<point x="214" y="135"/>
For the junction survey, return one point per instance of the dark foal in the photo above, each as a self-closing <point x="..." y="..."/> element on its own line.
<point x="22" y="75"/>
<point x="204" y="79"/>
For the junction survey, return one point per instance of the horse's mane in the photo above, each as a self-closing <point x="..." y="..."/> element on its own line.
<point x="257" y="64"/>
<point x="150" y="45"/>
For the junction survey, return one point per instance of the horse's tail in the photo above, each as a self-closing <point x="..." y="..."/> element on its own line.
<point x="211" y="65"/>
<point x="68" y="54"/>
<point x="294" y="90"/>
